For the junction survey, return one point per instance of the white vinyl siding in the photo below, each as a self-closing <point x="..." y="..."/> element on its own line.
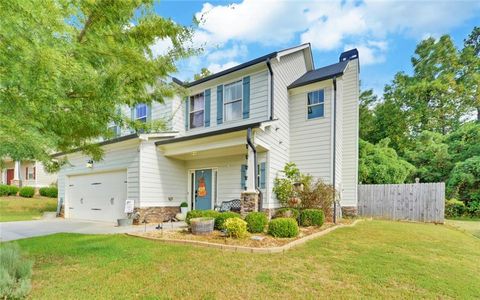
<point x="163" y="180"/>
<point x="311" y="139"/>
<point x="350" y="134"/>
<point x="122" y="155"/>
<point x="287" y="70"/>
<point x="259" y="102"/>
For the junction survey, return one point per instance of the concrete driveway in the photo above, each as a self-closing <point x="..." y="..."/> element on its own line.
<point x="10" y="231"/>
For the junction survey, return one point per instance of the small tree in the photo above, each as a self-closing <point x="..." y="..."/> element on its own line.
<point x="464" y="182"/>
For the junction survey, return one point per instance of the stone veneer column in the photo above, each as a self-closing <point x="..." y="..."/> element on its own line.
<point x="248" y="202"/>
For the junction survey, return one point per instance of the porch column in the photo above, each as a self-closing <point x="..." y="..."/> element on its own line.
<point x="16" y="172"/>
<point x="249" y="197"/>
<point x="250" y="182"/>
<point x="17" y="176"/>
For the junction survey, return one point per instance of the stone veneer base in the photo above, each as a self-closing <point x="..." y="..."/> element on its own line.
<point x="244" y="249"/>
<point x="349" y="211"/>
<point x="156" y="214"/>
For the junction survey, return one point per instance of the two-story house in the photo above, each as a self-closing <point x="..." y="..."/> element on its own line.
<point x="228" y="140"/>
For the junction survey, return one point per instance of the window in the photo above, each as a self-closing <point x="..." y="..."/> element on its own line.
<point x="114" y="129"/>
<point x="232" y="101"/>
<point x="315" y="104"/>
<point x="197" y="111"/>
<point x="30" y="173"/>
<point x="141" y="113"/>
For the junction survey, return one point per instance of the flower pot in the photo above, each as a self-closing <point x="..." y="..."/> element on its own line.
<point x="184" y="210"/>
<point x="124" y="222"/>
<point x="202" y="226"/>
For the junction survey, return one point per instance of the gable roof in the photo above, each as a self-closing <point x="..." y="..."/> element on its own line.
<point x="245" y="65"/>
<point x="327" y="72"/>
<point x="320" y="74"/>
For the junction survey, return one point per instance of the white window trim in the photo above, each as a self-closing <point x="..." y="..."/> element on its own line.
<point x="31" y="171"/>
<point x="232" y="101"/>
<point x="194" y="111"/>
<point x="310" y="105"/>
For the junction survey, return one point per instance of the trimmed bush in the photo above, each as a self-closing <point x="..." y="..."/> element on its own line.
<point x="283" y="227"/>
<point x="184" y="204"/>
<point x="4" y="190"/>
<point x="256" y="222"/>
<point x="51" y="192"/>
<point x="26" y="192"/>
<point x="454" y="208"/>
<point x="200" y="214"/>
<point x="222" y="217"/>
<point x="236" y="227"/>
<point x="15" y="273"/>
<point x="287" y="212"/>
<point x="12" y="190"/>
<point x="473" y="209"/>
<point x="311" y="217"/>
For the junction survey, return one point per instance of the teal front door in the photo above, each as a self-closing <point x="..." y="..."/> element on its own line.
<point x="203" y="189"/>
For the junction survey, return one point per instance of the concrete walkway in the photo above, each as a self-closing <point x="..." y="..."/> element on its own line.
<point x="10" y="231"/>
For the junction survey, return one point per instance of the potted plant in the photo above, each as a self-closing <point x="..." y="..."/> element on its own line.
<point x="184" y="207"/>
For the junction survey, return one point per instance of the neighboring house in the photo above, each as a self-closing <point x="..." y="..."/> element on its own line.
<point x="26" y="173"/>
<point x="229" y="140"/>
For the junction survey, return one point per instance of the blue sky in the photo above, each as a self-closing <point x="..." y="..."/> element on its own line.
<point x="385" y="32"/>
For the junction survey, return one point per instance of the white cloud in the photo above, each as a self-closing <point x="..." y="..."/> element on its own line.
<point x="161" y="47"/>
<point x="327" y="25"/>
<point x="371" y="52"/>
<point x="215" y="68"/>
<point x="235" y="51"/>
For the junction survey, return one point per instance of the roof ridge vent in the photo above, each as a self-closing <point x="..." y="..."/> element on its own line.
<point x="348" y="55"/>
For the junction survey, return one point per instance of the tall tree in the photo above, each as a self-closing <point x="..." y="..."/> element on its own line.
<point x="204" y="72"/>
<point x="470" y="71"/>
<point x="66" y="65"/>
<point x="367" y="102"/>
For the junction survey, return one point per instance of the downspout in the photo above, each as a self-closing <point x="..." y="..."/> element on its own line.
<point x="255" y="167"/>
<point x="271" y="87"/>
<point x="334" y="148"/>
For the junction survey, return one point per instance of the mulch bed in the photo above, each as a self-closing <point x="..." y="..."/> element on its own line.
<point x="218" y="237"/>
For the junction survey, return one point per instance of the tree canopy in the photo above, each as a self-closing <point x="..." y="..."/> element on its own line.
<point x="65" y="66"/>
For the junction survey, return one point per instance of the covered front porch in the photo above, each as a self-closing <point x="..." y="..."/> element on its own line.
<point x="220" y="167"/>
<point x="19" y="173"/>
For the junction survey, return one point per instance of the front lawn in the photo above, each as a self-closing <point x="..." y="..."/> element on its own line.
<point x="469" y="225"/>
<point x="21" y="209"/>
<point x="374" y="259"/>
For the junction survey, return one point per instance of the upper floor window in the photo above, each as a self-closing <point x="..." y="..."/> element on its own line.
<point x="114" y="129"/>
<point x="197" y="111"/>
<point x="316" y="104"/>
<point x="232" y="101"/>
<point x="141" y="113"/>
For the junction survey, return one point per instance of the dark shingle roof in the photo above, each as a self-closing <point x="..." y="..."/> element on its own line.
<point x="320" y="74"/>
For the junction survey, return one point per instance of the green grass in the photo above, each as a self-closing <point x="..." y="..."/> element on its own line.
<point x="471" y="226"/>
<point x="374" y="259"/>
<point x="21" y="209"/>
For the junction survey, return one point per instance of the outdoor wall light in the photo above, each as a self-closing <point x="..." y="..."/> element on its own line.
<point x="89" y="164"/>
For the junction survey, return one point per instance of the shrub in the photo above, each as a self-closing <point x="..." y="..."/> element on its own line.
<point x="4" y="190"/>
<point x="464" y="181"/>
<point x="12" y="190"/>
<point x="287" y="212"/>
<point x="473" y="209"/>
<point x="27" y="192"/>
<point x="283" y="227"/>
<point x="256" y="222"/>
<point x="50" y="191"/>
<point x="200" y="214"/>
<point x="184" y="204"/>
<point x="15" y="273"/>
<point x="454" y="208"/>
<point x="311" y="217"/>
<point x="222" y="217"/>
<point x="318" y="195"/>
<point x="236" y="227"/>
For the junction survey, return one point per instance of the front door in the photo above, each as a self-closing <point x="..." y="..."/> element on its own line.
<point x="203" y="189"/>
<point x="10" y="173"/>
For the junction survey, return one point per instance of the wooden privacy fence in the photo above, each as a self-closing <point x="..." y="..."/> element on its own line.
<point x="423" y="202"/>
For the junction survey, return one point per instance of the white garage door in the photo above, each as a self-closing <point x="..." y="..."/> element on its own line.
<point x="97" y="197"/>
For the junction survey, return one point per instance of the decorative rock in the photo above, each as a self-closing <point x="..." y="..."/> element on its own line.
<point x="257" y="238"/>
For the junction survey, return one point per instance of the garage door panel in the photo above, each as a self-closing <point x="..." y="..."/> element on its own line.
<point x="99" y="197"/>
